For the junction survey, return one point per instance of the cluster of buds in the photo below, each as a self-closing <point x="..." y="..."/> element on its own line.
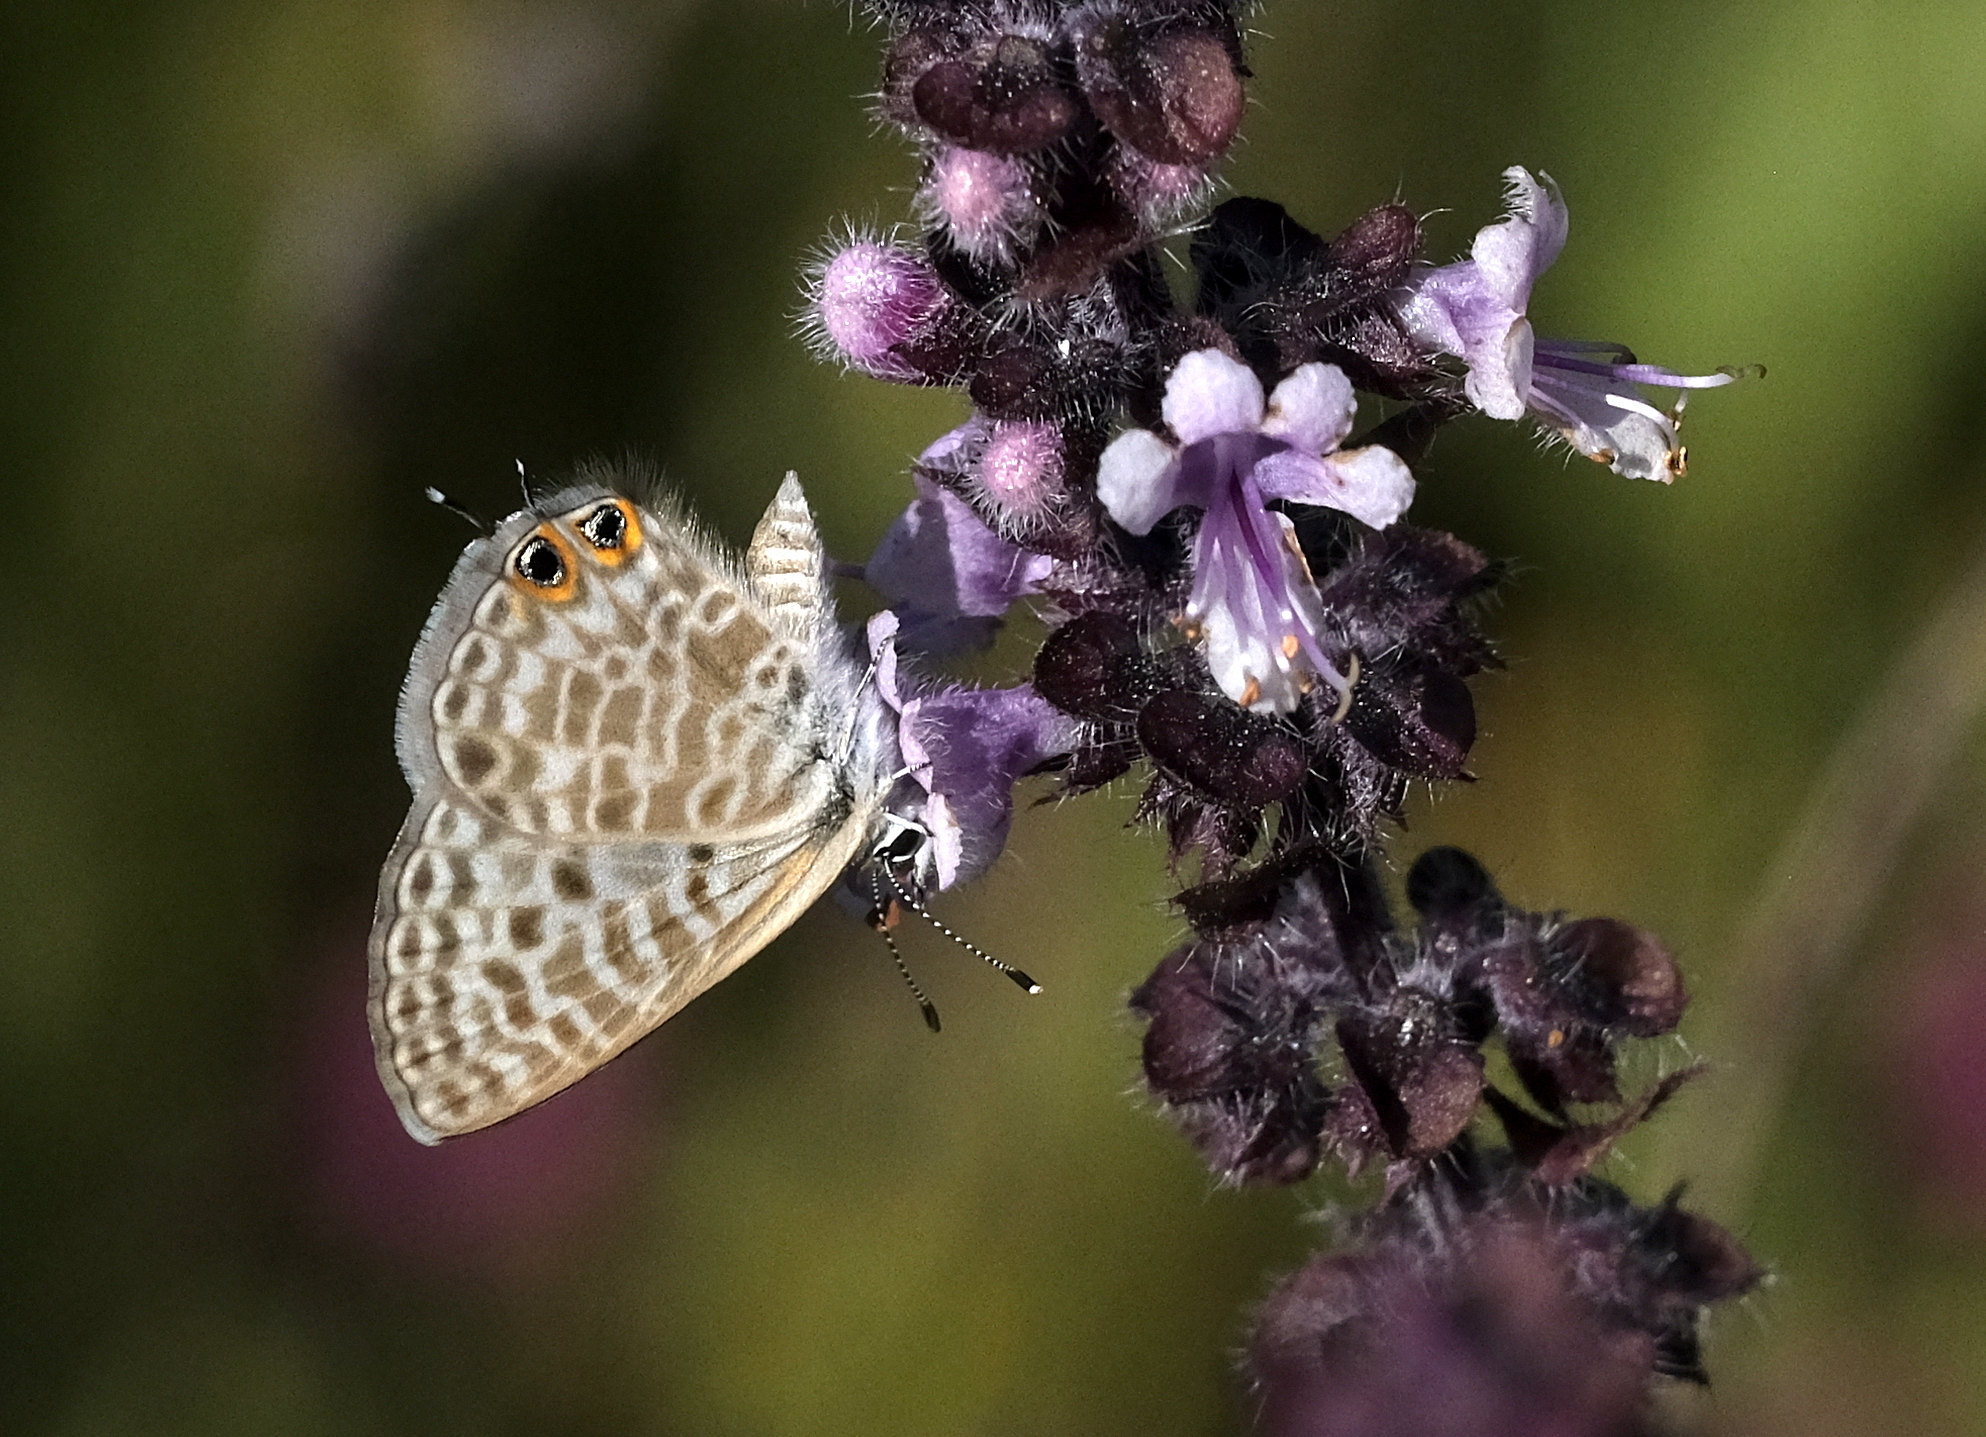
<point x="1239" y="615"/>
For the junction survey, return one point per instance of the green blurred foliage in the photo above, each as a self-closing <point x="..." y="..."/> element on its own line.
<point x="268" y="269"/>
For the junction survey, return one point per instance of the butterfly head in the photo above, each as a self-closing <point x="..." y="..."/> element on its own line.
<point x="901" y="861"/>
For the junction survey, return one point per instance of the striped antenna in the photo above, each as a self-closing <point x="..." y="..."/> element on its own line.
<point x="455" y="506"/>
<point x="883" y="918"/>
<point x="1020" y="979"/>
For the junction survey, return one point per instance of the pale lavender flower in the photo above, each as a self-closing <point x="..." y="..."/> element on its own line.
<point x="1253" y="600"/>
<point x="1583" y="390"/>
<point x="948" y="577"/>
<point x="963" y="751"/>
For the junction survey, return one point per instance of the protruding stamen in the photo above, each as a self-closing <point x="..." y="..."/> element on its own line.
<point x="1351" y="684"/>
<point x="1553" y="353"/>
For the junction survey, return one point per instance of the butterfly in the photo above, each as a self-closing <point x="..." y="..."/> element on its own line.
<point x="635" y="761"/>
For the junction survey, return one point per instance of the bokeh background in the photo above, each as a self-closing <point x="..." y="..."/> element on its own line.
<point x="269" y="267"/>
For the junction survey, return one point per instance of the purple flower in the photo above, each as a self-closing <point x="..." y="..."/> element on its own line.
<point x="964" y="749"/>
<point x="948" y="577"/>
<point x="1582" y="389"/>
<point x="1253" y="600"/>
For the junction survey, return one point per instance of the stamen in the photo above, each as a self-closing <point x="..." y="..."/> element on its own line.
<point x="1646" y="411"/>
<point x="1551" y="353"/>
<point x="1351" y="682"/>
<point x="1261" y="576"/>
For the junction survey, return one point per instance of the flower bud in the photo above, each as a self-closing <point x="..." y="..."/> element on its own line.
<point x="1157" y="193"/>
<point x="1020" y="470"/>
<point x="1373" y="255"/>
<point x="984" y="201"/>
<point x="884" y="310"/>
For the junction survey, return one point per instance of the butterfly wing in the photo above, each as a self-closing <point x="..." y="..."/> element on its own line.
<point x="505" y="967"/>
<point x="633" y="766"/>
<point x="644" y="690"/>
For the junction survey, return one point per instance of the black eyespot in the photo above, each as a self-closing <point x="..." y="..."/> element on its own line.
<point x="538" y="562"/>
<point x="605" y="527"/>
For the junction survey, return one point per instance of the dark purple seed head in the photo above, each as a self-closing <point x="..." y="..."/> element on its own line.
<point x="1221" y="750"/>
<point x="1422" y="1081"/>
<point x="1081" y="667"/>
<point x="1005" y="95"/>
<point x="1445" y="883"/>
<point x="1625" y="978"/>
<point x="1174" y="97"/>
<point x="1421" y="723"/>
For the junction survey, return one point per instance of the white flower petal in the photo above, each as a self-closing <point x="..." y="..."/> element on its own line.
<point x="1499" y="375"/>
<point x="1514" y="251"/>
<point x="1207" y="394"/>
<point x="1136" y="479"/>
<point x="1375" y="484"/>
<point x="1543" y="206"/>
<point x="1312" y="409"/>
<point x="1607" y="422"/>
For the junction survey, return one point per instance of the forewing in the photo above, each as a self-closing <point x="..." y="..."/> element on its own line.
<point x="505" y="967"/>
<point x="652" y="694"/>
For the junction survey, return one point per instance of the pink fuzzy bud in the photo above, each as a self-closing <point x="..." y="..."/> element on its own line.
<point x="1020" y="470"/>
<point x="985" y="200"/>
<point x="874" y="302"/>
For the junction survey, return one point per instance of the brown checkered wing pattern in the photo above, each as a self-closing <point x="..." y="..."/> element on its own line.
<point x="634" y="762"/>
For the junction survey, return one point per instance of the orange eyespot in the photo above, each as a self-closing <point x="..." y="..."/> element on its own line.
<point x="543" y="566"/>
<point x="611" y="530"/>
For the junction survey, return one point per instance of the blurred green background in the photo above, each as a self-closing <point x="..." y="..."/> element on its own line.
<point x="267" y="269"/>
